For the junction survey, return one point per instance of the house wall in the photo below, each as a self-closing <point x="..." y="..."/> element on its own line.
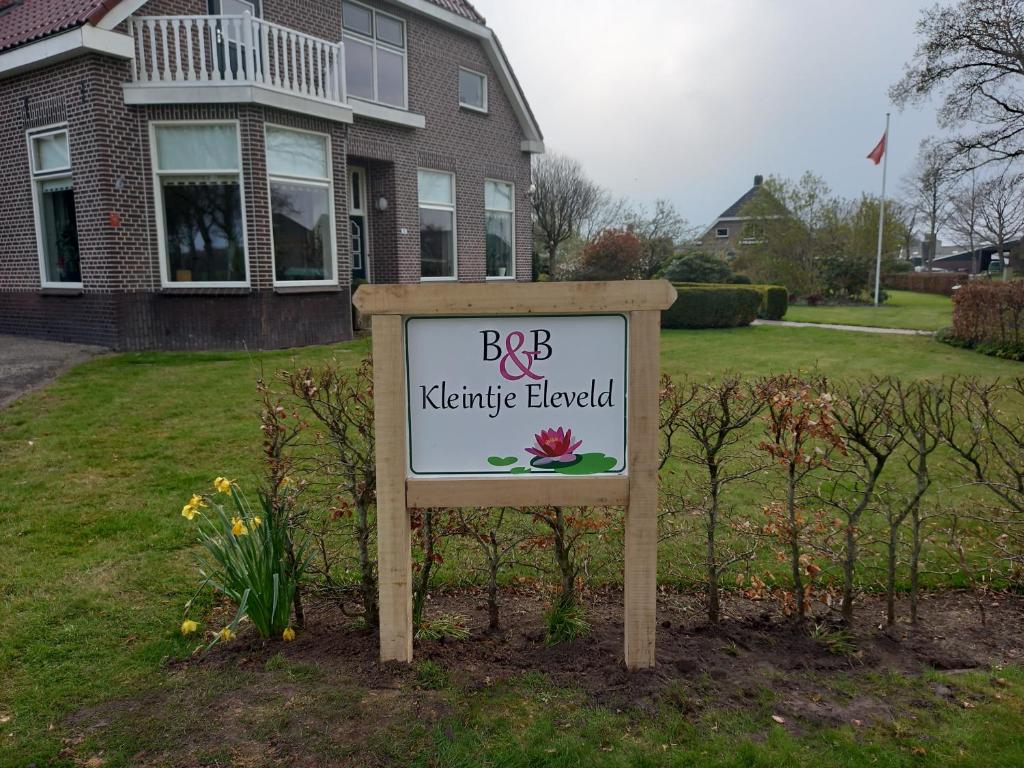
<point x="123" y="305"/>
<point x="726" y="247"/>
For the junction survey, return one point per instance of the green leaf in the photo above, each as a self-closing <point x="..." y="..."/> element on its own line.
<point x="501" y="461"/>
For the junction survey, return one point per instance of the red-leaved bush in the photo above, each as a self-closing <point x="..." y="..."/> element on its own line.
<point x="615" y="254"/>
<point x="990" y="312"/>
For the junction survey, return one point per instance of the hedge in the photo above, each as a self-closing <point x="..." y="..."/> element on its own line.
<point x="712" y="306"/>
<point x="941" y="283"/>
<point x="774" y="298"/>
<point x="989" y="315"/>
<point x="774" y="301"/>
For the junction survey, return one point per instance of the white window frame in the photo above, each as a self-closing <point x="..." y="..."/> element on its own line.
<point x="453" y="208"/>
<point x="327" y="183"/>
<point x="375" y="43"/>
<point x="158" y="197"/>
<point x="38" y="176"/>
<point x="474" y="107"/>
<point x="512" y="211"/>
<point x="721" y="233"/>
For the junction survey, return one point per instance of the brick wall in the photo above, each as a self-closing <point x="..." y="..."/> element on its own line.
<point x="122" y="304"/>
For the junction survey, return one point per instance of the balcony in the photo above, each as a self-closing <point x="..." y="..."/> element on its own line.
<point x="235" y="59"/>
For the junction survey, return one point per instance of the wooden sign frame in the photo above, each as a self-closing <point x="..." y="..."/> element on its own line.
<point x="637" y="490"/>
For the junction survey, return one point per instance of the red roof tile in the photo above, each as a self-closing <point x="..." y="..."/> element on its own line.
<point x="22" y="21"/>
<point x="28" y="20"/>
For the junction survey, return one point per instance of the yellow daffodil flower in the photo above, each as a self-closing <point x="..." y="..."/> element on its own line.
<point x="257" y="521"/>
<point x="288" y="635"/>
<point x="188" y="627"/>
<point x="193" y="506"/>
<point x="226" y="634"/>
<point x="223" y="485"/>
<point x="238" y="527"/>
<point x="286" y="481"/>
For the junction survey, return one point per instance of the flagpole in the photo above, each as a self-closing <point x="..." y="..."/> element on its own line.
<point x="881" y="213"/>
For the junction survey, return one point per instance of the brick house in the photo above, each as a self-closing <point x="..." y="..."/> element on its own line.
<point x="732" y="229"/>
<point x="194" y="174"/>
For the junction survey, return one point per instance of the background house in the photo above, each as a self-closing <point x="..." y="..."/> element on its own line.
<point x="727" y="233"/>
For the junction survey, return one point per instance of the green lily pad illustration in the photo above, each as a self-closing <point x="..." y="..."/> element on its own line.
<point x="588" y="464"/>
<point x="501" y="461"/>
<point x="520" y="470"/>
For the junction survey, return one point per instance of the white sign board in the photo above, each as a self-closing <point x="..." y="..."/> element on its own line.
<point x="531" y="395"/>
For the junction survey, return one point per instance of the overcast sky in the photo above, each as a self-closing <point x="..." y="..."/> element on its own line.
<point x="688" y="99"/>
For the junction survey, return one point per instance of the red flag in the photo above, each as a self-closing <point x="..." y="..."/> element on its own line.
<point x="875" y="155"/>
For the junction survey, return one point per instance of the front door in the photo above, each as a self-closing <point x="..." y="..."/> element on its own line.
<point x="358" y="222"/>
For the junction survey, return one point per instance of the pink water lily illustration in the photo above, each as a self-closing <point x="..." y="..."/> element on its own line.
<point x="554" y="445"/>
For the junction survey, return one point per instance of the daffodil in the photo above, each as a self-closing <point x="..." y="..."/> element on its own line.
<point x="223" y="485"/>
<point x="257" y="521"/>
<point x="238" y="527"/>
<point x="288" y="635"/>
<point x="226" y="634"/>
<point x="188" y="627"/>
<point x="193" y="506"/>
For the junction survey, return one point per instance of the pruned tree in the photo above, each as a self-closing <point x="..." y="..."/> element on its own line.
<point x="498" y="544"/>
<point x="563" y="199"/>
<point x="339" y="465"/>
<point x="712" y="455"/>
<point x="867" y="415"/>
<point x="928" y="188"/>
<point x="800" y="436"/>
<point x="969" y="54"/>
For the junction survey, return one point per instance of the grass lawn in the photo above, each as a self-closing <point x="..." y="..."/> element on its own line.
<point x="97" y="563"/>
<point x="904" y="309"/>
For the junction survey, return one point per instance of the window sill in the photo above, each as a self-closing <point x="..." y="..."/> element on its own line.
<point x="208" y="290"/>
<point x="439" y="279"/>
<point x="475" y="110"/>
<point x="286" y="289"/>
<point x="498" y="279"/>
<point x="53" y="290"/>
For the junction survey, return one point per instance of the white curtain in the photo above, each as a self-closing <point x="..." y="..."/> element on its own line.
<point x="291" y="153"/>
<point x="197" y="147"/>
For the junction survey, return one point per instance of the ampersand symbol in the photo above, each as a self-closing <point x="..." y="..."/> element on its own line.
<point x="513" y="343"/>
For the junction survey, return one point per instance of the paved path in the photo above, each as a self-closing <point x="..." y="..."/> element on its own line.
<point x="836" y="327"/>
<point x="27" y="364"/>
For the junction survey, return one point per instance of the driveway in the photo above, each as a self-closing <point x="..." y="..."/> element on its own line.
<point x="27" y="364"/>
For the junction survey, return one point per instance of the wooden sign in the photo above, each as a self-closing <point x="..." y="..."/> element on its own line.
<point x="517" y="395"/>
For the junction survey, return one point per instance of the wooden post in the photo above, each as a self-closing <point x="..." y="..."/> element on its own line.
<point x="640" y="581"/>
<point x="394" y="537"/>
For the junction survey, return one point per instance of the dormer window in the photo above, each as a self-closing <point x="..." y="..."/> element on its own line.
<point x="375" y="55"/>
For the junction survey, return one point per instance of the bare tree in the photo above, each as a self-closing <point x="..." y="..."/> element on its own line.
<point x="965" y="215"/>
<point x="563" y="199"/>
<point x="971" y="55"/>
<point x="1001" y="209"/>
<point x="928" y="189"/>
<point x="659" y="231"/>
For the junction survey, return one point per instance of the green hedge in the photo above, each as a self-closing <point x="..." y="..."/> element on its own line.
<point x="774" y="298"/>
<point x="712" y="306"/>
<point x="774" y="302"/>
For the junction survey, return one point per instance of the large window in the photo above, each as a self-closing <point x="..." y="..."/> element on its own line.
<point x="472" y="90"/>
<point x="54" y="196"/>
<point x="499" y="225"/>
<point x="437" y="225"/>
<point x="199" y="190"/>
<point x="375" y="55"/>
<point x="301" y="204"/>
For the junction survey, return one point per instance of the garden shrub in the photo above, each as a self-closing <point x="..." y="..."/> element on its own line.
<point x="989" y="316"/>
<point x="941" y="283"/>
<point x="774" y="302"/>
<point x="712" y="306"/>
<point x="699" y="268"/>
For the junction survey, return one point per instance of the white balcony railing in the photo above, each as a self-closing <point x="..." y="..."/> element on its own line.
<point x="201" y="51"/>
